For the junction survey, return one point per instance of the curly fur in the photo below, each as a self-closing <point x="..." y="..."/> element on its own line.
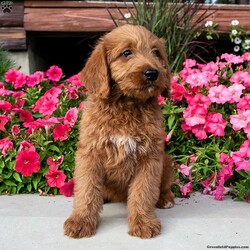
<point x="120" y="154"/>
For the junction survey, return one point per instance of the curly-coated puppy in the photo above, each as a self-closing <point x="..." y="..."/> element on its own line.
<point x="120" y="155"/>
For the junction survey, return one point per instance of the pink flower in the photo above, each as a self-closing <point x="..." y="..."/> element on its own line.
<point x="241" y="120"/>
<point x="238" y="77"/>
<point x="236" y="92"/>
<point x="54" y="73"/>
<point x="242" y="157"/>
<point x="20" y="81"/>
<point x="161" y="100"/>
<point x="194" y="115"/>
<point x="231" y="58"/>
<point x="199" y="132"/>
<point x="4" y="105"/>
<point x="25" y="116"/>
<point x="47" y="104"/>
<point x="178" y="91"/>
<point x="219" y="94"/>
<point x="53" y="163"/>
<point x="244" y="103"/>
<point x="27" y="162"/>
<point x="199" y="100"/>
<point x="184" y="169"/>
<point x="186" y="189"/>
<point x="189" y="63"/>
<point x="35" y="79"/>
<point x="227" y="163"/>
<point x="209" y="184"/>
<point x="60" y="132"/>
<point x="68" y="188"/>
<point x="198" y="79"/>
<point x="71" y="117"/>
<point x="11" y="75"/>
<point x="5" y="145"/>
<point x="3" y="120"/>
<point x="15" y="131"/>
<point x="25" y="145"/>
<point x="248" y="199"/>
<point x="55" y="178"/>
<point x="215" y="124"/>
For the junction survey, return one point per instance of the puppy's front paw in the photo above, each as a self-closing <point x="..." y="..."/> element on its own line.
<point x="78" y="227"/>
<point x="145" y="228"/>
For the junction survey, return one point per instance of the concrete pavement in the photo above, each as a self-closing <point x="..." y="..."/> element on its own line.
<point x="32" y="222"/>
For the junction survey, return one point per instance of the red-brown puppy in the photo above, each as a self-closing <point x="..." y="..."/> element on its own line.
<point x="120" y="155"/>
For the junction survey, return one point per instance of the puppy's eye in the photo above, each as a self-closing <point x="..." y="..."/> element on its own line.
<point x="127" y="53"/>
<point x="156" y="52"/>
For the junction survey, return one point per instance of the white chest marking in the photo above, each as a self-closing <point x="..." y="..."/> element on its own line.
<point x="129" y="144"/>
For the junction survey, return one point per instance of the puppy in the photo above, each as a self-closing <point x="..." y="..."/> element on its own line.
<point x="120" y="154"/>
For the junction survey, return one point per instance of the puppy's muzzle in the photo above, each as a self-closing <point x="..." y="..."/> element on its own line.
<point x="151" y="74"/>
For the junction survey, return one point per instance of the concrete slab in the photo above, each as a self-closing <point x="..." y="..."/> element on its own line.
<point x="32" y="222"/>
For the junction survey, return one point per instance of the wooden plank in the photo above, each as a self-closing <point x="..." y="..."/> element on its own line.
<point x="74" y="4"/>
<point x="12" y="15"/>
<point x="68" y="20"/>
<point x="13" y="38"/>
<point x="93" y="19"/>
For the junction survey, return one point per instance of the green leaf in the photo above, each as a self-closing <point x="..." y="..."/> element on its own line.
<point x="29" y="187"/>
<point x="171" y="120"/>
<point x="17" y="177"/>
<point x="10" y="183"/>
<point x="54" y="148"/>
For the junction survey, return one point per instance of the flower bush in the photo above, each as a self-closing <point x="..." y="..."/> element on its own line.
<point x="208" y="117"/>
<point x="207" y="129"/>
<point x="38" y="131"/>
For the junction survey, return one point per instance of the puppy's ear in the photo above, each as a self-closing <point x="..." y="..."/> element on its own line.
<point x="95" y="74"/>
<point x="166" y="91"/>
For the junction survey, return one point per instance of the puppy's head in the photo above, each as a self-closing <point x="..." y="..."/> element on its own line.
<point x="129" y="60"/>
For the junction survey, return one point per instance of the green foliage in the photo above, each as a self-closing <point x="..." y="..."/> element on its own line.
<point x="5" y="62"/>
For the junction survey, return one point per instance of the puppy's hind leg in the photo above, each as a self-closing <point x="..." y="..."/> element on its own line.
<point x="166" y="199"/>
<point x="88" y="197"/>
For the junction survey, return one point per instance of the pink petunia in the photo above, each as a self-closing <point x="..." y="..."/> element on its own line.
<point x="186" y="189"/>
<point x="184" y="169"/>
<point x="25" y="116"/>
<point x="209" y="184"/>
<point x="3" y="121"/>
<point x="27" y="162"/>
<point x="219" y="94"/>
<point x="11" y="75"/>
<point x="177" y="91"/>
<point x="236" y="92"/>
<point x="161" y="100"/>
<point x="71" y="117"/>
<point x="54" y="73"/>
<point x="15" y="131"/>
<point x="241" y="158"/>
<point x="34" y="79"/>
<point x="53" y="163"/>
<point x="215" y="124"/>
<point x="55" y="178"/>
<point x="20" y="81"/>
<point x="241" y="120"/>
<point x="68" y="188"/>
<point x="244" y="103"/>
<point x="5" y="145"/>
<point x="231" y="58"/>
<point x="25" y="145"/>
<point x="197" y="79"/>
<point x="194" y="115"/>
<point x="60" y="132"/>
<point x="199" y="100"/>
<point x="5" y="105"/>
<point x="199" y="132"/>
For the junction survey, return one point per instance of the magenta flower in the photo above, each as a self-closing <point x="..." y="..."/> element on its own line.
<point x="198" y="79"/>
<point x="3" y="120"/>
<point x="27" y="162"/>
<point x="244" y="103"/>
<point x="5" y="145"/>
<point x="178" y="92"/>
<point x="25" y="145"/>
<point x="55" y="178"/>
<point x="199" y="100"/>
<point x="53" y="163"/>
<point x="25" y="116"/>
<point x="5" y="105"/>
<point x="184" y="169"/>
<point x="15" y="131"/>
<point x="231" y="58"/>
<point x="199" y="132"/>
<point x="161" y="100"/>
<point x="71" y="117"/>
<point x="11" y="75"/>
<point x="35" y="79"/>
<point x="68" y="188"/>
<point x="54" y="73"/>
<point x="60" y="132"/>
<point x="194" y="115"/>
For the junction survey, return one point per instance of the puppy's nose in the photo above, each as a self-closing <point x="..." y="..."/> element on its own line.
<point x="151" y="74"/>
